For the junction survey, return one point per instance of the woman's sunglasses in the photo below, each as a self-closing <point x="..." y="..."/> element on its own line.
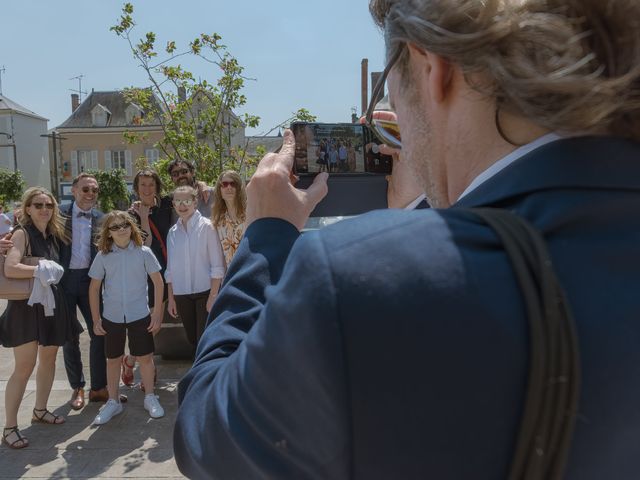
<point x="186" y="203"/>
<point x="119" y="226"/>
<point x="387" y="131"/>
<point x="225" y="184"/>
<point x="40" y="206"/>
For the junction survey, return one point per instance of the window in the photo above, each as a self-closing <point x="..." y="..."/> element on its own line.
<point x="118" y="159"/>
<point x="84" y="160"/>
<point x="152" y="154"/>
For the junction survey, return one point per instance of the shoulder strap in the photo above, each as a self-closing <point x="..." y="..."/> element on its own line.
<point x="552" y="395"/>
<point x="27" y="239"/>
<point x="156" y="233"/>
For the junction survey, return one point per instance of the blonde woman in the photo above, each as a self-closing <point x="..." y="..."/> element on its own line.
<point x="228" y="214"/>
<point x="35" y="332"/>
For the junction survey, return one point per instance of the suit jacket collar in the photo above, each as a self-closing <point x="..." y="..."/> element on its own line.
<point x="579" y="162"/>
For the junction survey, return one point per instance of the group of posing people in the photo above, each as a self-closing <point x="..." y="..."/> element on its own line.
<point x="336" y="155"/>
<point x="117" y="269"/>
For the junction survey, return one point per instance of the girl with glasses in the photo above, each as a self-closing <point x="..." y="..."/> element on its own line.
<point x="229" y="208"/>
<point x="195" y="264"/>
<point x="35" y="331"/>
<point x="123" y="264"/>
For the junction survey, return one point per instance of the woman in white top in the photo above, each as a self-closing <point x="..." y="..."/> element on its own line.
<point x="195" y="264"/>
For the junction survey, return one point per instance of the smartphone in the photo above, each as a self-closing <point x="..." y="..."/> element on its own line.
<point x="338" y="148"/>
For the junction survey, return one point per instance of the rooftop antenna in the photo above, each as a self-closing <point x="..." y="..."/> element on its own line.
<point x="2" y="70"/>
<point x="79" y="91"/>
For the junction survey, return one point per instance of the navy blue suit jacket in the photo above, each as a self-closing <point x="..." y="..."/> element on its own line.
<point x="394" y="345"/>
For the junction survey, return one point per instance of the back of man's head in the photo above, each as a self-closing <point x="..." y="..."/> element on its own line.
<point x="566" y="65"/>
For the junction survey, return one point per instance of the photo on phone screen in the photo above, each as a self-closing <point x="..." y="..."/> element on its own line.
<point x="338" y="148"/>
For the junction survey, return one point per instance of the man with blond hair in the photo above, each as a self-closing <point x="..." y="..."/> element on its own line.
<point x="395" y="345"/>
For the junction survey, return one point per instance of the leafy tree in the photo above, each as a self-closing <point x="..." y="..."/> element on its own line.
<point x="113" y="189"/>
<point x="11" y="186"/>
<point x="197" y="122"/>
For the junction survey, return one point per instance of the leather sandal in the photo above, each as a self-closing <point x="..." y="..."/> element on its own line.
<point x="18" y="443"/>
<point x="42" y="415"/>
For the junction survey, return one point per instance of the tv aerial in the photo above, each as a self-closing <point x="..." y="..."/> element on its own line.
<point x="79" y="91"/>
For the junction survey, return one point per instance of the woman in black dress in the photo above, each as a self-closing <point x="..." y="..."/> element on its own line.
<point x="33" y="335"/>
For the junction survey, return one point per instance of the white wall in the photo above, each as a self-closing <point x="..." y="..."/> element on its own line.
<point x="6" y="153"/>
<point x="32" y="150"/>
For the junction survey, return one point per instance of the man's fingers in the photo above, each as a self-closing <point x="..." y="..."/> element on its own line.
<point x="317" y="190"/>
<point x="382" y="115"/>
<point x="387" y="150"/>
<point x="288" y="150"/>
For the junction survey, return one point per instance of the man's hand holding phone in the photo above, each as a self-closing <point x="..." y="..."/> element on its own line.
<point x="271" y="193"/>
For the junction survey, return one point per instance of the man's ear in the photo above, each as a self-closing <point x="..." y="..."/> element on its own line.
<point x="433" y="69"/>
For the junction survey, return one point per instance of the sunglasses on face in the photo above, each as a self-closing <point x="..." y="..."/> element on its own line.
<point x="386" y="131"/>
<point x="176" y="172"/>
<point x="186" y="203"/>
<point x="40" y="206"/>
<point x="119" y="226"/>
<point x="225" y="184"/>
<point x="90" y="189"/>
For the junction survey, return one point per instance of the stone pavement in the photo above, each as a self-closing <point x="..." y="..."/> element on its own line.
<point x="132" y="445"/>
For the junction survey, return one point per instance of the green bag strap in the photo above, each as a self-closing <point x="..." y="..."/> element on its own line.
<point x="552" y="395"/>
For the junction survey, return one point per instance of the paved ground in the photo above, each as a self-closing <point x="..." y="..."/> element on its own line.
<point x="132" y="445"/>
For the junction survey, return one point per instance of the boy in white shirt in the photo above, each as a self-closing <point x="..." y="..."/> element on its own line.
<point x="195" y="264"/>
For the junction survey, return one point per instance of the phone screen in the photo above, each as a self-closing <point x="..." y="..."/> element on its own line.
<point x="340" y="148"/>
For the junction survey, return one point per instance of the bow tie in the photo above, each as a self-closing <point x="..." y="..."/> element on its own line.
<point x="84" y="214"/>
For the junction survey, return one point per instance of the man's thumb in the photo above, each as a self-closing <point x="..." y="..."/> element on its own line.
<point x="317" y="190"/>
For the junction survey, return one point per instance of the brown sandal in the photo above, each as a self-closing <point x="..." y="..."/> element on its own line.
<point x="46" y="417"/>
<point x="19" y="438"/>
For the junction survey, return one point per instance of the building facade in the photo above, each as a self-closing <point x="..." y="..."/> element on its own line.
<point x="93" y="137"/>
<point x="22" y="146"/>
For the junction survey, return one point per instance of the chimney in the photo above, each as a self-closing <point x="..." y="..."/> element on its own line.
<point x="182" y="94"/>
<point x="75" y="102"/>
<point x="364" y="88"/>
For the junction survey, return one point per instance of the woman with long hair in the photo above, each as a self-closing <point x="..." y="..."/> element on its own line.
<point x="152" y="213"/>
<point x="35" y="331"/>
<point x="229" y="210"/>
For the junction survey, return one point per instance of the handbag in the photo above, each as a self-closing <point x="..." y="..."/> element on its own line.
<point x="553" y="386"/>
<point x="17" y="288"/>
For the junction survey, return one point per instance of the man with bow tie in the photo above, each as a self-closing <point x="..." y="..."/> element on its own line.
<point x="82" y="223"/>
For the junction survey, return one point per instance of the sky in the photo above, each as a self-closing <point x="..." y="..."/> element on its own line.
<point x="300" y="53"/>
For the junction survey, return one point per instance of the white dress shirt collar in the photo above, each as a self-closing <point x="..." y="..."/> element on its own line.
<point x="509" y="159"/>
<point x="415" y="203"/>
<point x="76" y="210"/>
<point x="193" y="220"/>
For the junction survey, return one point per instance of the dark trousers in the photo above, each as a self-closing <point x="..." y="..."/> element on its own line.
<point x="76" y="287"/>
<point x="192" y="310"/>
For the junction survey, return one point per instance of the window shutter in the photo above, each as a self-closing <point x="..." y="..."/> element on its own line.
<point x="127" y="163"/>
<point x="107" y="160"/>
<point x="94" y="160"/>
<point x="74" y="163"/>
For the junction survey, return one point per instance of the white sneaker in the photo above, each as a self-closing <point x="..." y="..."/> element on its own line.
<point x="107" y="412"/>
<point x="152" y="405"/>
